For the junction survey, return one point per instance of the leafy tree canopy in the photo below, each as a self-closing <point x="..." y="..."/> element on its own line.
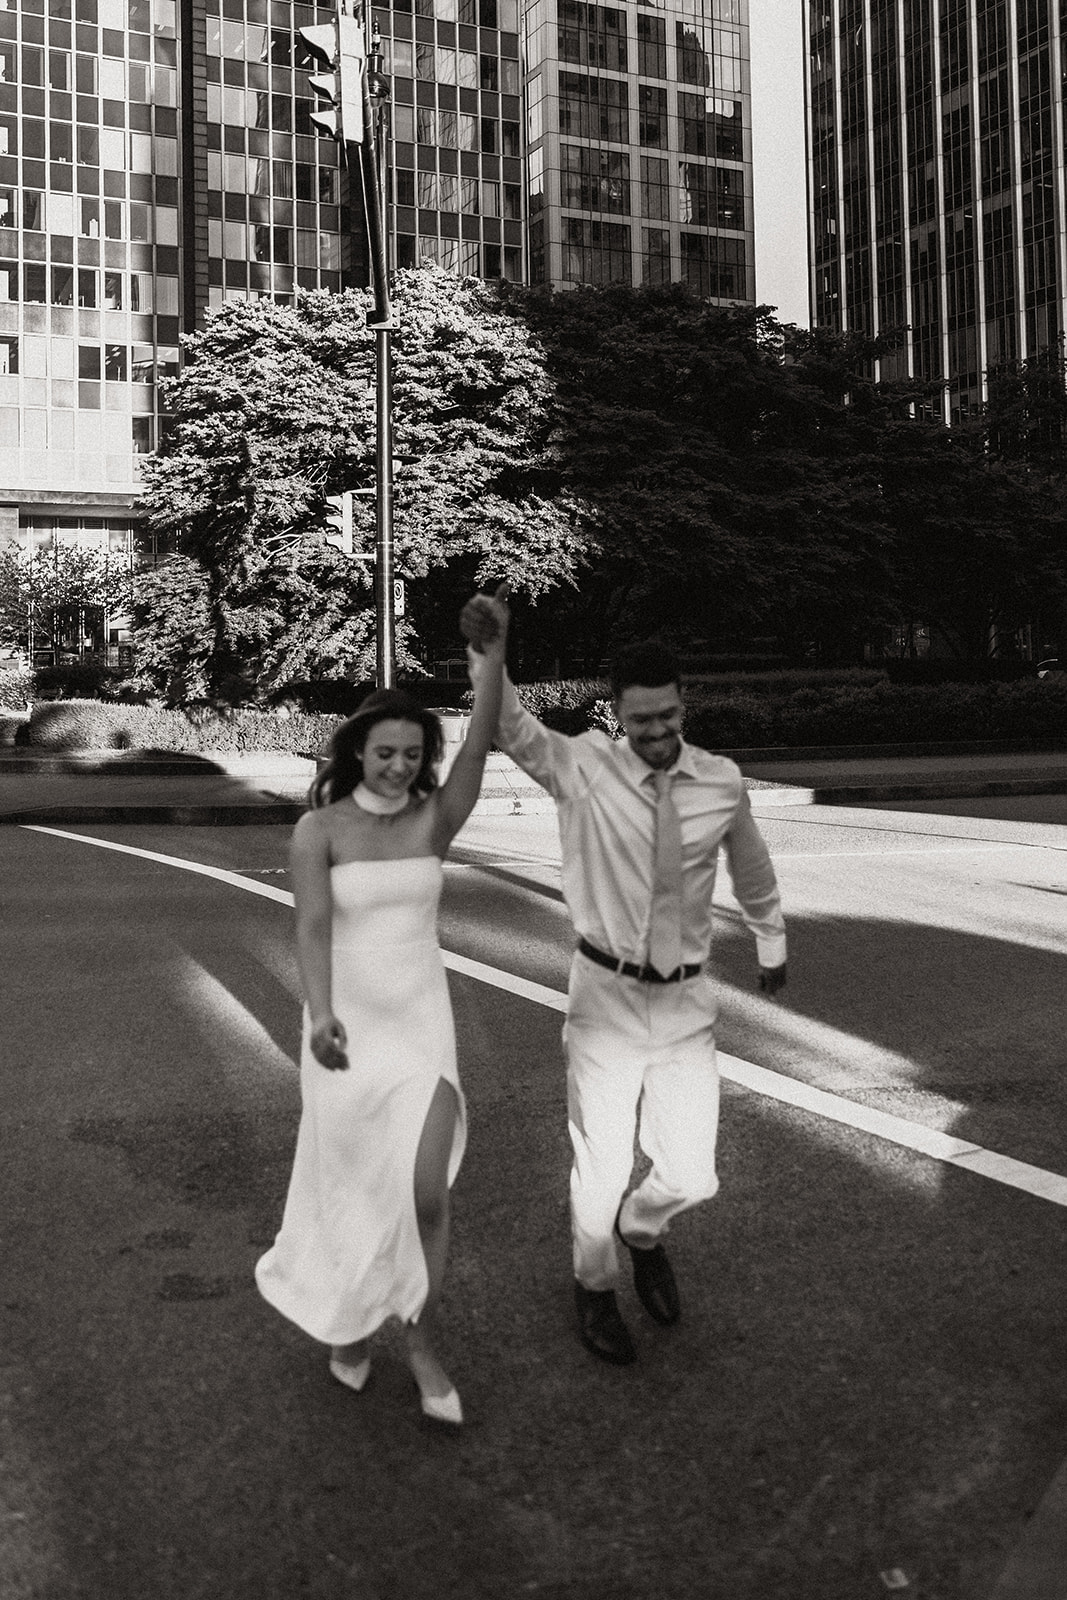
<point x="641" y="458"/>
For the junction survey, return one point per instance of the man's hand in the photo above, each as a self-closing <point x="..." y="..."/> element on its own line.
<point x="329" y="1045"/>
<point x="771" y="979"/>
<point x="484" y="619"/>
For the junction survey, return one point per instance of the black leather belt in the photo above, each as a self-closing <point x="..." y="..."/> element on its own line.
<point x="629" y="969"/>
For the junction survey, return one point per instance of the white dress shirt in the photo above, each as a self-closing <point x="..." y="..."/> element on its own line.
<point x="606" y="801"/>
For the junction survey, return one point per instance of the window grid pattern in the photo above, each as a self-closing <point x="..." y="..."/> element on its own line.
<point x="966" y="182"/>
<point x="89" y="233"/>
<point x="643" y="118"/>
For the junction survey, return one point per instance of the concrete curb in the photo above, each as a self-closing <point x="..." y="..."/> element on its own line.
<point x="1037" y="1567"/>
<point x="938" y="789"/>
<point x="105" y="764"/>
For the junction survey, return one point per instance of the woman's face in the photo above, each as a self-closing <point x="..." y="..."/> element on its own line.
<point x="392" y="757"/>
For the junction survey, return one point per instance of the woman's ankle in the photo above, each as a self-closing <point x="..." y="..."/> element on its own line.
<point x="350" y="1355"/>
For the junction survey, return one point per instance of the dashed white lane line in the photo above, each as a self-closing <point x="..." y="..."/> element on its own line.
<point x="1051" y="1186"/>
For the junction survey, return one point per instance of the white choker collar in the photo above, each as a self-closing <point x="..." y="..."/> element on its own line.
<point x="379" y="805"/>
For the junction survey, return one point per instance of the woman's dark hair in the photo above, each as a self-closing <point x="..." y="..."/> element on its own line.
<point x="648" y="665"/>
<point x="343" y="768"/>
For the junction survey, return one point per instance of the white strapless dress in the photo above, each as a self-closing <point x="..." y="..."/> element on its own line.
<point x="348" y="1255"/>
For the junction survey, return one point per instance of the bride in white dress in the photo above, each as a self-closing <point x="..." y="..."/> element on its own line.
<point x="364" y="1236"/>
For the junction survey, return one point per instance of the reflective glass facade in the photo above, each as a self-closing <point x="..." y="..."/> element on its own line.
<point x="639" y="158"/>
<point x="157" y="159"/>
<point x="937" y="190"/>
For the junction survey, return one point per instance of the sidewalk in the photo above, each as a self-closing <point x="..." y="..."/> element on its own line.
<point x="109" y="786"/>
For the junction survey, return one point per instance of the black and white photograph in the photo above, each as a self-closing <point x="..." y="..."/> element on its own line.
<point x="533" y="800"/>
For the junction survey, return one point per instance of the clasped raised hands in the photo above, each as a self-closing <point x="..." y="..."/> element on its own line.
<point x="484" y="620"/>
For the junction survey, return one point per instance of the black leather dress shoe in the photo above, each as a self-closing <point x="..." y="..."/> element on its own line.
<point x="654" y="1282"/>
<point x="601" y="1327"/>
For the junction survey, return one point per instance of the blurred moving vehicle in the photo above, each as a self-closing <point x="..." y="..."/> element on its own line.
<point x="1051" y="665"/>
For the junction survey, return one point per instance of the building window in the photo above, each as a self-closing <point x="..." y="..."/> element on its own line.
<point x="655" y="189"/>
<point x="593" y="108"/>
<point x="594" y="180"/>
<point x="592" y="36"/>
<point x="651" y="46"/>
<point x="596" y="252"/>
<point x="710" y="126"/>
<point x="652" y="116"/>
<point x="656" y="256"/>
<point x="713" y="266"/>
<point x="711" y="196"/>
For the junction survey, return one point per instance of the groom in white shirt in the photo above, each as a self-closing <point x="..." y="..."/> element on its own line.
<point x="641" y="822"/>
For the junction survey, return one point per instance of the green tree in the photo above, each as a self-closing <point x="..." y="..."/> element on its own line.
<point x="274" y="410"/>
<point x="979" y="544"/>
<point x="729" y="484"/>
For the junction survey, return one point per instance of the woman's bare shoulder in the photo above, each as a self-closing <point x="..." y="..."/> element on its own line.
<point x="317" y="828"/>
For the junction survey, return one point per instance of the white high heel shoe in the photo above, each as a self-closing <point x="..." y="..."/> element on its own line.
<point x="353" y="1377"/>
<point x="442" y="1407"/>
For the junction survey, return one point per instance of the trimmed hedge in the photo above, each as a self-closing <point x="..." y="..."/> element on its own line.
<point x="850" y="706"/>
<point x="881" y="713"/>
<point x="834" y="713"/>
<point x="103" y="725"/>
<point x="16" y="686"/>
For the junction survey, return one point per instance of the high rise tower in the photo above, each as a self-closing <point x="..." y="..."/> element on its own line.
<point x="936" y="161"/>
<point x="157" y="158"/>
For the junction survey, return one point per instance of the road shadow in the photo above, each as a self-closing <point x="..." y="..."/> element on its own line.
<point x="867" y="1376"/>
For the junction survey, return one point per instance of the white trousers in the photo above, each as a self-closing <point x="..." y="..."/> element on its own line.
<point x="630" y="1042"/>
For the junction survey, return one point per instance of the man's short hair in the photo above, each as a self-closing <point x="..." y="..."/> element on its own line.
<point x="648" y="665"/>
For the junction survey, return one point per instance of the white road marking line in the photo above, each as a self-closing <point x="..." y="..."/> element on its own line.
<point x="235" y="879"/>
<point x="937" y="850"/>
<point x="925" y="1141"/>
<point x="897" y="1130"/>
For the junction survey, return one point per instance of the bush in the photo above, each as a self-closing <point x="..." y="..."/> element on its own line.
<point x="938" y="669"/>
<point x="96" y="725"/>
<point x="76" y="680"/>
<point x="826" y="707"/>
<point x="883" y="713"/>
<point x="16" y="685"/>
<point x="337" y="697"/>
<point x="785" y="682"/>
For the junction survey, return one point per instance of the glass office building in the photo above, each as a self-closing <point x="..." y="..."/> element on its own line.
<point x="639" y="150"/>
<point x="157" y="159"/>
<point x="936" y="169"/>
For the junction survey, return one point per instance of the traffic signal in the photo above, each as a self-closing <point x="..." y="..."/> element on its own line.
<point x="338" y="522"/>
<point x="339" y="47"/>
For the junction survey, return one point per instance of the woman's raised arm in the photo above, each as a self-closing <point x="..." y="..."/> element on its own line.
<point x="488" y="632"/>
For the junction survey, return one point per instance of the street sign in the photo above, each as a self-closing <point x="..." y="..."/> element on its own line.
<point x="398" y="597"/>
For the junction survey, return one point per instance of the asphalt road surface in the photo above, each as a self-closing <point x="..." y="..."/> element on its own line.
<point x="867" y="1391"/>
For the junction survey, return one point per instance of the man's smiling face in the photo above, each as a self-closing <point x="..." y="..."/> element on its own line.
<point x="652" y="721"/>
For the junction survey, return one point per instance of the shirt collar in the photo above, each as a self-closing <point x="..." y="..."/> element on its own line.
<point x="638" y="771"/>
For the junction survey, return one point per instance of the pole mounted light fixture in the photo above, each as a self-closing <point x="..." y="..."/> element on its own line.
<point x="340" y="48"/>
<point x="354" y="92"/>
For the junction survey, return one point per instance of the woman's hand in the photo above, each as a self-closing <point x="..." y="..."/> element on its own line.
<point x="329" y="1044"/>
<point x="484" y="621"/>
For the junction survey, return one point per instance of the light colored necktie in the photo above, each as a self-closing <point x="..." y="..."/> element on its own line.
<point x="665" y="931"/>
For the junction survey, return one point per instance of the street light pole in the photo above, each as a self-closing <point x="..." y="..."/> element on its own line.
<point x="374" y="159"/>
<point x="357" y="92"/>
<point x="383" y="566"/>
